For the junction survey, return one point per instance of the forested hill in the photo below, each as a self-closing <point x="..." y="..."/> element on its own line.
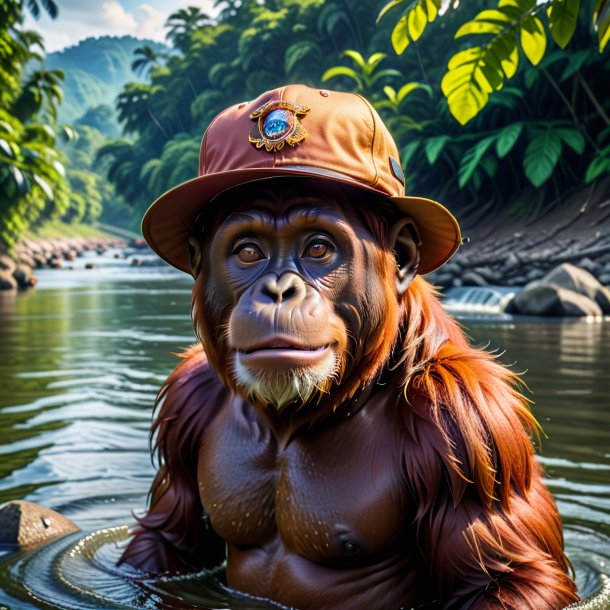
<point x="95" y="72"/>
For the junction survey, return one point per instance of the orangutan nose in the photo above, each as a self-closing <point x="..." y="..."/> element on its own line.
<point x="287" y="286"/>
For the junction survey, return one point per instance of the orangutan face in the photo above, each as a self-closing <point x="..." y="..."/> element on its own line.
<point x="301" y="292"/>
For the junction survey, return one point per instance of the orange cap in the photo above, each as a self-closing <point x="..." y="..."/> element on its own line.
<point x="297" y="131"/>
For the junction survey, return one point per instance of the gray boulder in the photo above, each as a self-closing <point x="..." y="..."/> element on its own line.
<point x="566" y="290"/>
<point x="579" y="281"/>
<point x="549" y="300"/>
<point x="472" y="278"/>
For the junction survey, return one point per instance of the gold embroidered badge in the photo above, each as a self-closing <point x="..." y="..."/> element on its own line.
<point x="277" y="122"/>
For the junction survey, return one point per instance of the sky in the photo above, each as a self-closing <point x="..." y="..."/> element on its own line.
<point x="80" y="19"/>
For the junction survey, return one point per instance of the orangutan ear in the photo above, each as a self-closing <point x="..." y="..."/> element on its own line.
<point x="404" y="239"/>
<point x="194" y="255"/>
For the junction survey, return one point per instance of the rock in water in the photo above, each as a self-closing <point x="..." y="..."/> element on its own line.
<point x="28" y="524"/>
<point x="564" y="291"/>
<point x="548" y="300"/>
<point x="580" y="281"/>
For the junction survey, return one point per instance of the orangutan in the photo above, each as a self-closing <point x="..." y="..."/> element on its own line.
<point x="334" y="436"/>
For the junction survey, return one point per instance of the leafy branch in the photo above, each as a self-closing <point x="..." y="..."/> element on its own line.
<point x="476" y="72"/>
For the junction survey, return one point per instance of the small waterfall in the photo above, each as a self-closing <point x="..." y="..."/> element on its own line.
<point x="478" y="300"/>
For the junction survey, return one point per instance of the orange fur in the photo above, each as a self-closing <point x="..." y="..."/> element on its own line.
<point x="482" y="473"/>
<point x="485" y="525"/>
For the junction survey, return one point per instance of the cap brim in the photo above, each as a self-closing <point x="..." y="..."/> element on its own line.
<point x="168" y="222"/>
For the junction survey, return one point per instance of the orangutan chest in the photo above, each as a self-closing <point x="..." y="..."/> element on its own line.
<point x="322" y="498"/>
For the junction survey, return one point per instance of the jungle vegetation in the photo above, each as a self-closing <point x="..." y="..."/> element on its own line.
<point x="497" y="106"/>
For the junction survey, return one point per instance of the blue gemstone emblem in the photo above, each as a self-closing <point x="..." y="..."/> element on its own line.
<point x="278" y="124"/>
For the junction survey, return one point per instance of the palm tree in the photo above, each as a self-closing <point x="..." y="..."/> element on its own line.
<point x="183" y="23"/>
<point x="145" y="59"/>
<point x="134" y="106"/>
<point x="49" y="6"/>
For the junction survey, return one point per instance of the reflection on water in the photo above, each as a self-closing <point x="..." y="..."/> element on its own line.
<point x="82" y="359"/>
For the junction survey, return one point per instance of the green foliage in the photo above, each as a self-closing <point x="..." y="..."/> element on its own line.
<point x="145" y="58"/>
<point x="505" y="148"/>
<point x="183" y="23"/>
<point x="365" y="75"/>
<point x="413" y="21"/>
<point x="563" y="15"/>
<point x="32" y="177"/>
<point x="476" y="72"/>
<point x="253" y="47"/>
<point x="91" y="194"/>
<point x="48" y="5"/>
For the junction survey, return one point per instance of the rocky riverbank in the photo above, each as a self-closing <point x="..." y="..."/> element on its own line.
<point x="18" y="270"/>
<point x="514" y="252"/>
<point x="560" y="260"/>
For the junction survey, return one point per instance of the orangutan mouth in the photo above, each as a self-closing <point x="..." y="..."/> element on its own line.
<point x="282" y="353"/>
<point x="281" y="345"/>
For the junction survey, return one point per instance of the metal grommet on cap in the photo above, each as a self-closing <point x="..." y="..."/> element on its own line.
<point x="324" y="93"/>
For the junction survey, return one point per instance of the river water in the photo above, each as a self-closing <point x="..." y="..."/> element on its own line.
<point x="81" y="359"/>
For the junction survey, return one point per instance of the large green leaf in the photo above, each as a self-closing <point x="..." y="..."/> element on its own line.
<point x="485" y="22"/>
<point x="599" y="166"/>
<point x="507" y="138"/>
<point x="471" y="160"/>
<point x="409" y="151"/>
<point x="358" y="59"/>
<point x="400" y="39"/>
<point x="434" y="147"/>
<point x="408" y="88"/>
<point x="417" y="21"/>
<point x="573" y="138"/>
<point x="563" y="16"/>
<point x="533" y="39"/>
<point x="476" y="72"/>
<point x="413" y="22"/>
<point x="541" y="156"/>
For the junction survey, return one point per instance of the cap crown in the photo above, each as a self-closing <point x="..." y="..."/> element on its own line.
<point x="344" y="134"/>
<point x="296" y="131"/>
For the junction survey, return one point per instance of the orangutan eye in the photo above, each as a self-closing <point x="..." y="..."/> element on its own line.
<point x="249" y="253"/>
<point x="319" y="248"/>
